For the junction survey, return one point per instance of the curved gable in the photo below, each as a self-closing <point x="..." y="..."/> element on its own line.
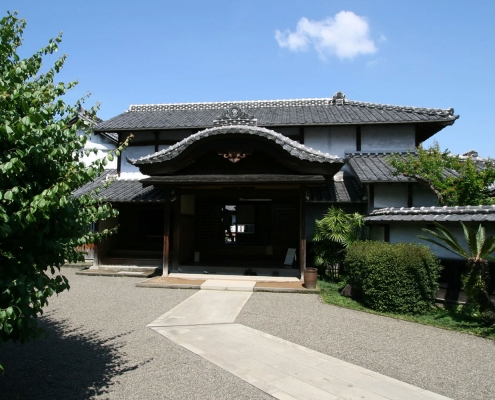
<point x="235" y="143"/>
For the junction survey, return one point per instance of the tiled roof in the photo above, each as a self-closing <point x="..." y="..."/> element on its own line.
<point x="323" y="111"/>
<point x="122" y="191"/>
<point x="84" y="115"/>
<point x="373" y="167"/>
<point x="111" y="135"/>
<point x="294" y="148"/>
<point x="434" y="214"/>
<point x="346" y="190"/>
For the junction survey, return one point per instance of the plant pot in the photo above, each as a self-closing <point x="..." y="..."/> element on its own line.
<point x="310" y="277"/>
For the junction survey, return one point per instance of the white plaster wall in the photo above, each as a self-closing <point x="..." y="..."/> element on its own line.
<point x="342" y="140"/>
<point x="387" y="137"/>
<point x="390" y="195"/>
<point x="318" y="138"/>
<point x="423" y="197"/>
<point x="103" y="146"/>
<point x="134" y="152"/>
<point x="335" y="140"/>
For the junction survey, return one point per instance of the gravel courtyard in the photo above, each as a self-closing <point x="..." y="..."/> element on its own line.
<point x="99" y="347"/>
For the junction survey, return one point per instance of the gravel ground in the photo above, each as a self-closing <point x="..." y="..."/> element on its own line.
<point x="453" y="364"/>
<point x="99" y="347"/>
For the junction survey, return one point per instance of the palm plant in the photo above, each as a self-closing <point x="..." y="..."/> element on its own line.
<point x="334" y="233"/>
<point x="476" y="281"/>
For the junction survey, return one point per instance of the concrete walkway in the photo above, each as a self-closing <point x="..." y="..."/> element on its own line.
<point x="204" y="325"/>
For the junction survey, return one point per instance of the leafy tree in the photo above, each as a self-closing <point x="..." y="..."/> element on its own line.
<point x="41" y="223"/>
<point x="456" y="181"/>
<point x="334" y="233"/>
<point x="476" y="281"/>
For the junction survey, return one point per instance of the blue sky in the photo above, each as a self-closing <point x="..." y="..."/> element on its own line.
<point x="418" y="53"/>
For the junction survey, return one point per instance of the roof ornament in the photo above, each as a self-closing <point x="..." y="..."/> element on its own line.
<point x="233" y="155"/>
<point x="470" y="153"/>
<point x="235" y="116"/>
<point x="338" y="99"/>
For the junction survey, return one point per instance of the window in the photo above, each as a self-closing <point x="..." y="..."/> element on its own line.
<point x="237" y="219"/>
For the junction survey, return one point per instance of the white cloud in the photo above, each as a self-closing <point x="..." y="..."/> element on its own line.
<point x="346" y="35"/>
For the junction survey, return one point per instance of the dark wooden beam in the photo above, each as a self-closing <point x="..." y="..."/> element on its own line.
<point x="358" y="137"/>
<point x="302" y="230"/>
<point x="176" y="250"/>
<point x="233" y="179"/>
<point x="387" y="233"/>
<point x="157" y="134"/>
<point x="119" y="158"/>
<point x="166" y="237"/>
<point x="152" y="142"/>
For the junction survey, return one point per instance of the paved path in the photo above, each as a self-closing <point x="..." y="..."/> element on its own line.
<point x="204" y="325"/>
<point x="100" y="348"/>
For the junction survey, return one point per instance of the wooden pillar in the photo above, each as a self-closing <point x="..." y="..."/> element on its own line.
<point x="177" y="212"/>
<point x="96" y="254"/>
<point x="166" y="236"/>
<point x="302" y="230"/>
<point x="96" y="257"/>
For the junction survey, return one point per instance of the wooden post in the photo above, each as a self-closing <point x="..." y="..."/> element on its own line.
<point x="302" y="230"/>
<point x="96" y="254"/>
<point x="166" y="236"/>
<point x="177" y="212"/>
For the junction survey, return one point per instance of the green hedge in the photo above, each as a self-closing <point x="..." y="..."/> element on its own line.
<point x="398" y="278"/>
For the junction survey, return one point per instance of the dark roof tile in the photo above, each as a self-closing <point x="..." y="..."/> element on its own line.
<point x="346" y="190"/>
<point x="121" y="191"/>
<point x="374" y="168"/>
<point x="271" y="113"/>
<point x="434" y="214"/>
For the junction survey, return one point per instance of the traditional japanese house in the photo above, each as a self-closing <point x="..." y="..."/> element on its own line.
<point x="238" y="185"/>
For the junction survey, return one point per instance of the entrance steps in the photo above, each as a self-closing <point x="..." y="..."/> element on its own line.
<point x="131" y="262"/>
<point x="237" y="271"/>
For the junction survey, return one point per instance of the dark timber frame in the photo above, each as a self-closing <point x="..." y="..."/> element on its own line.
<point x="227" y="161"/>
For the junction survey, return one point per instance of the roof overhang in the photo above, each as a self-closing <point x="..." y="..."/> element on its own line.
<point x="235" y="180"/>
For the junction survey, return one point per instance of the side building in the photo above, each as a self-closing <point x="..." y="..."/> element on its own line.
<point x="238" y="185"/>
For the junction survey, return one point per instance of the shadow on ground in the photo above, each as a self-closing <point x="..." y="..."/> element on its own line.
<point x="69" y="363"/>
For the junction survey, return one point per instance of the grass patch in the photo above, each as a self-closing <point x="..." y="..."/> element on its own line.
<point x="452" y="317"/>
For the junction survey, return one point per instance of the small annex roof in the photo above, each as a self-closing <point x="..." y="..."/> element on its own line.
<point x="433" y="214"/>
<point x="84" y="115"/>
<point x="292" y="147"/>
<point x="121" y="190"/>
<point x="374" y="168"/>
<point x="343" y="189"/>
<point x="346" y="190"/>
<point x="335" y="110"/>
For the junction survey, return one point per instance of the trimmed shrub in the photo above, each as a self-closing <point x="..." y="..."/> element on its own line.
<point x="398" y="278"/>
